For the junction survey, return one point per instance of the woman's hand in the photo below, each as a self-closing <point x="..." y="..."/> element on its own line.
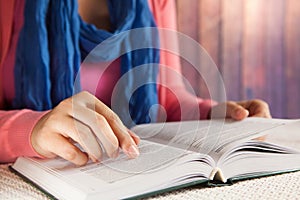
<point x="242" y="109"/>
<point x="90" y="123"/>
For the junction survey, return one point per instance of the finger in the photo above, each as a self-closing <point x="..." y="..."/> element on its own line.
<point x="125" y="141"/>
<point x="257" y="108"/>
<point x="260" y="111"/>
<point x="229" y="109"/>
<point x="100" y="127"/>
<point x="236" y="111"/>
<point x="134" y="137"/>
<point x="79" y="132"/>
<point x="61" y="146"/>
<point x="88" y="141"/>
<point x="128" y="141"/>
<point x="218" y="111"/>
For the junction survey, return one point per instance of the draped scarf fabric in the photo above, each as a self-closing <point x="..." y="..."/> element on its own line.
<point x="53" y="41"/>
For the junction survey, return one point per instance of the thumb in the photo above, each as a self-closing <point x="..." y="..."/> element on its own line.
<point x="236" y="111"/>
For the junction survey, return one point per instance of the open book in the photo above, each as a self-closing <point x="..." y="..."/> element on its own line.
<point x="173" y="155"/>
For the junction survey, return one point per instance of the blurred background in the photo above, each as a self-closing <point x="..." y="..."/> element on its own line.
<point x="254" y="43"/>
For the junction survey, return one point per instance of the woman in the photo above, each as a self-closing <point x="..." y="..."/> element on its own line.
<point x="42" y="45"/>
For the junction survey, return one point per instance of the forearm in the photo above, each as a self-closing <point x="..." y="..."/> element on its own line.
<point x="15" y="132"/>
<point x="179" y="105"/>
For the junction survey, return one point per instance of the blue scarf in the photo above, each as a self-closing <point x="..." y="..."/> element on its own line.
<point x="53" y="42"/>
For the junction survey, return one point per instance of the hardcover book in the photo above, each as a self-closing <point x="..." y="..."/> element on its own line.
<point x="172" y="155"/>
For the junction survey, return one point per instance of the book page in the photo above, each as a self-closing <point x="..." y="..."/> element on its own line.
<point x="237" y="159"/>
<point x="261" y="127"/>
<point x="268" y="158"/>
<point x="153" y="157"/>
<point x="157" y="167"/>
<point x="207" y="136"/>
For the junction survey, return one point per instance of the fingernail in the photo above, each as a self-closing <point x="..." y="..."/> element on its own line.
<point x="133" y="151"/>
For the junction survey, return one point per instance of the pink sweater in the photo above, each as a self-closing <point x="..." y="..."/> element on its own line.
<point x="16" y="125"/>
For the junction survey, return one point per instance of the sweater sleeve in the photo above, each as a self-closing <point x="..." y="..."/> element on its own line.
<point x="15" y="132"/>
<point x="178" y="103"/>
<point x="15" y="125"/>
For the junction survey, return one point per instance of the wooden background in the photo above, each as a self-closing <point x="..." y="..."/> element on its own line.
<point x="254" y="43"/>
